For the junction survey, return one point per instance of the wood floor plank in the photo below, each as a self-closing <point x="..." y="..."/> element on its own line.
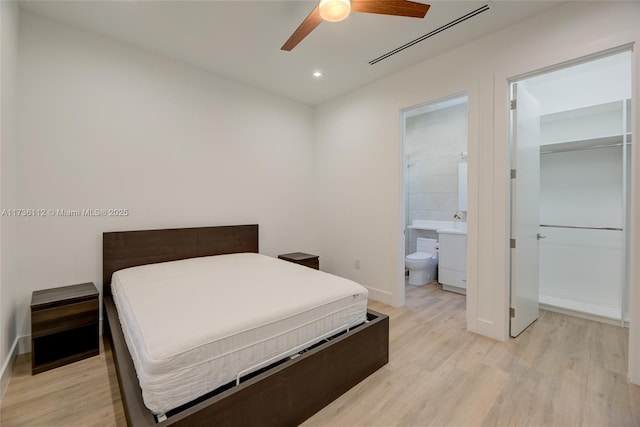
<point x="79" y="394"/>
<point x="607" y="401"/>
<point x="560" y="372"/>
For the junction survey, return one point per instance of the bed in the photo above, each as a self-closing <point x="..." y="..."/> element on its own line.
<point x="285" y="391"/>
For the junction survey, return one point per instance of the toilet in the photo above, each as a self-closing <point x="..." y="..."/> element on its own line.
<point x="422" y="263"/>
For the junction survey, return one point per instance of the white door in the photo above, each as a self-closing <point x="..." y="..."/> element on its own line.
<point x="525" y="208"/>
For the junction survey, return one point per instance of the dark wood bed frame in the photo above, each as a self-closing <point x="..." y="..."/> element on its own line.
<point x="284" y="395"/>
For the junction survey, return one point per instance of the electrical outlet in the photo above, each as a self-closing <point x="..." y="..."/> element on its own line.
<point x="356" y="264"/>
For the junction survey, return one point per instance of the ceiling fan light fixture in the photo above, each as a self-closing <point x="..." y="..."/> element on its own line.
<point x="334" y="10"/>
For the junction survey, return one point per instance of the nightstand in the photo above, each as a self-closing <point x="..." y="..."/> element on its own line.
<point x="301" y="258"/>
<point x="64" y="326"/>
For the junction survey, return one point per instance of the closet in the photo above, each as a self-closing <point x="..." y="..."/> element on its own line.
<point x="585" y="168"/>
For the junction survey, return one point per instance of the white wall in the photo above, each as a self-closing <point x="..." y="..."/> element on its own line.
<point x="582" y="187"/>
<point x="8" y="141"/>
<point x="358" y="139"/>
<point x="106" y="125"/>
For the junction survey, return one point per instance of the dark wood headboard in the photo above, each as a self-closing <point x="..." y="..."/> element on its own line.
<point x="123" y="249"/>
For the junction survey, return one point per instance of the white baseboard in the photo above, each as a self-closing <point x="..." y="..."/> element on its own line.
<point x="588" y="316"/>
<point x="384" y="297"/>
<point x="7" y="366"/>
<point x="24" y="346"/>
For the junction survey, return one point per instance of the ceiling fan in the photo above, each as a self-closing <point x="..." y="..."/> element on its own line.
<point x="337" y="10"/>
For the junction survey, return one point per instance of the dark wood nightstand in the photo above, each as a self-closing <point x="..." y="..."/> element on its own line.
<point x="64" y="326"/>
<point x="301" y="258"/>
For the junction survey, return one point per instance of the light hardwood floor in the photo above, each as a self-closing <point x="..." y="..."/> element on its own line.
<point x="562" y="371"/>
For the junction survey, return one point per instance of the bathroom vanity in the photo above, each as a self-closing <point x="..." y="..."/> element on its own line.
<point x="452" y="265"/>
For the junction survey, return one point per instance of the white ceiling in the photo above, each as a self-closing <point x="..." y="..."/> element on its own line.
<point x="241" y="39"/>
<point x="597" y="81"/>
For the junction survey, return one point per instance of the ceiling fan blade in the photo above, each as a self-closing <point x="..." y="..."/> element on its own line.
<point x="391" y="7"/>
<point x="309" y="24"/>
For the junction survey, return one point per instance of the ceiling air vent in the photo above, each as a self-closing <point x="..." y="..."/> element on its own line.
<point x="463" y="18"/>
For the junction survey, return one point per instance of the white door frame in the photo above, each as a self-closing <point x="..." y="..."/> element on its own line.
<point x="471" y="93"/>
<point x="501" y="183"/>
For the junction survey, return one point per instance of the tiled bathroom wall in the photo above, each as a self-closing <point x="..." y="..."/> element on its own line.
<point x="433" y="145"/>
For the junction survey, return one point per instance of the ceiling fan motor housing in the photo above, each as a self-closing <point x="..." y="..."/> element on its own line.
<point x="334" y="10"/>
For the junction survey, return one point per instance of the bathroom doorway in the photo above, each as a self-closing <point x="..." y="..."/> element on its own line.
<point x="435" y="138"/>
<point x="578" y="124"/>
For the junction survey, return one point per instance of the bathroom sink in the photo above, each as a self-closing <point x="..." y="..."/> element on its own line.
<point x="460" y="230"/>
<point x="419" y="224"/>
<point x="439" y="226"/>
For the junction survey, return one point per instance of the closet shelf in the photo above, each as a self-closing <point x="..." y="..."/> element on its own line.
<point x="583" y="144"/>
<point x="600" y="124"/>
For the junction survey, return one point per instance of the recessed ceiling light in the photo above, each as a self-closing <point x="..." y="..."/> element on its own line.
<point x="317" y="74"/>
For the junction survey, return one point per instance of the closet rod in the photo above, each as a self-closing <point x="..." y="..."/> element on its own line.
<point x="619" y="144"/>
<point x="581" y="227"/>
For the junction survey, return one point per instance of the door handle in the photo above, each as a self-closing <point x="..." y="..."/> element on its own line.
<point x="540" y="236"/>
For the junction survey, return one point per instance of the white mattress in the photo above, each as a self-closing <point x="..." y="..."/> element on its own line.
<point x="194" y="325"/>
